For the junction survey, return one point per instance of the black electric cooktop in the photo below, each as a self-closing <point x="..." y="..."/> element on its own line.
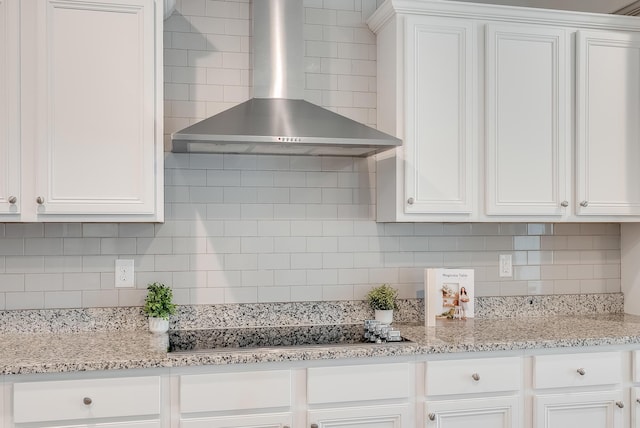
<point x="261" y="337"/>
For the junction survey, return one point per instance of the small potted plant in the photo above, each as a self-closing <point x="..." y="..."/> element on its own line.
<point x="382" y="300"/>
<point x="158" y="305"/>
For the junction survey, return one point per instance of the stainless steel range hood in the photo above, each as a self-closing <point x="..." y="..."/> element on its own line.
<point x="278" y="120"/>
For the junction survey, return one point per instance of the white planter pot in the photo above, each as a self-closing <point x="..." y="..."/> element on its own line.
<point x="158" y="325"/>
<point x="385" y="317"/>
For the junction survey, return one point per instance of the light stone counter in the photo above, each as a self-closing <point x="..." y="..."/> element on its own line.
<point x="100" y="350"/>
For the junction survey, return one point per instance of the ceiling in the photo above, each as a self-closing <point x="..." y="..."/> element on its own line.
<point x="598" y="6"/>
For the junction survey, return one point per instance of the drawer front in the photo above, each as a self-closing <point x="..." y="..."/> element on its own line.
<point x="569" y="370"/>
<point x="473" y="375"/>
<point x="235" y="391"/>
<point x="105" y="398"/>
<point x="357" y="383"/>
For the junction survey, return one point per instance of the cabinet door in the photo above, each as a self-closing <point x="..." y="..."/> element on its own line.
<point x="281" y="420"/>
<point x="383" y="416"/>
<point x="635" y="407"/>
<point x="495" y="412"/>
<point x="608" y="129"/>
<point x="128" y="424"/>
<point x="10" y="196"/>
<point x="440" y="139"/>
<point x="96" y="107"/>
<point x="597" y="409"/>
<point x="528" y="141"/>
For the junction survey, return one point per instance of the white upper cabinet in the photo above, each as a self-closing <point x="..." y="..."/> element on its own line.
<point x="90" y="98"/>
<point x="608" y="124"/>
<point x="493" y="130"/>
<point x="527" y="116"/>
<point x="440" y="139"/>
<point x="10" y="197"/>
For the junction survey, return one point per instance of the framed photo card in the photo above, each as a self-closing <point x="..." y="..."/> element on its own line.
<point x="448" y="294"/>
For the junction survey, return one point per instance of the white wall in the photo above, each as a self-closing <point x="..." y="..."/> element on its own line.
<point x="277" y="228"/>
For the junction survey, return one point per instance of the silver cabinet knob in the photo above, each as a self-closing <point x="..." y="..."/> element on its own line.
<point x="638" y="400"/>
<point x="314" y="425"/>
<point x="285" y="426"/>
<point x="564" y="204"/>
<point x="410" y="201"/>
<point x="584" y="203"/>
<point x="87" y="401"/>
<point x="581" y="371"/>
<point x="475" y="377"/>
<point x="432" y="416"/>
<point x="12" y="200"/>
<point x="40" y="200"/>
<point x="620" y="404"/>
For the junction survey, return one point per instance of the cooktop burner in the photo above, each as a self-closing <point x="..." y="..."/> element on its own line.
<point x="260" y="337"/>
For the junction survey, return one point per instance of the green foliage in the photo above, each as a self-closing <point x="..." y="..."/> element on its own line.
<point x="158" y="303"/>
<point x="382" y="297"/>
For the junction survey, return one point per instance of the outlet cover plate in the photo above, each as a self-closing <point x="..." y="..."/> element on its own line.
<point x="124" y="273"/>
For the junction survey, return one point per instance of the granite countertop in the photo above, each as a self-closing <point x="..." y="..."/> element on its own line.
<point x="84" y="351"/>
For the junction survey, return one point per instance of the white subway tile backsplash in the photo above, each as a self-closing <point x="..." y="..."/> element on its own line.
<point x="62" y="264"/>
<point x="24" y="264"/>
<point x="24" y="300"/>
<point x="26" y="230"/>
<point x="84" y="281"/>
<point x="11" y="282"/>
<point x="99" y="298"/>
<point x="11" y="246"/>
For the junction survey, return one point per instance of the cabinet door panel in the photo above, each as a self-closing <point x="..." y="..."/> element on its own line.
<point x="440" y="138"/>
<point x="498" y="412"/>
<point x="608" y="129"/>
<point x="526" y="120"/>
<point x="96" y="127"/>
<point x="129" y="424"/>
<point x="9" y="107"/>
<point x="585" y="410"/>
<point x="383" y="416"/>
<point x="276" y="420"/>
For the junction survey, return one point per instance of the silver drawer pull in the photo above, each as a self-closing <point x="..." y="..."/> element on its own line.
<point x="410" y="201"/>
<point x="40" y="200"/>
<point x="620" y="404"/>
<point x="564" y="204"/>
<point x="12" y="200"/>
<point x="584" y="204"/>
<point x="581" y="371"/>
<point x="475" y="377"/>
<point x="87" y="401"/>
<point x="314" y="425"/>
<point x="432" y="416"/>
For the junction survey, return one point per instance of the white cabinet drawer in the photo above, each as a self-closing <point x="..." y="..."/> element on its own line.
<point x="357" y="383"/>
<point x="556" y="371"/>
<point x="235" y="391"/>
<point x="473" y="376"/>
<point x="105" y="398"/>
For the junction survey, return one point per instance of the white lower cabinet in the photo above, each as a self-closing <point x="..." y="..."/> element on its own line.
<point x="478" y="392"/>
<point x="379" y="416"/>
<point x="236" y="400"/>
<point x="593" y="409"/>
<point x="581" y="390"/>
<point x="119" y="402"/>
<point x="277" y="420"/>
<point x="494" y="412"/>
<point x="355" y="396"/>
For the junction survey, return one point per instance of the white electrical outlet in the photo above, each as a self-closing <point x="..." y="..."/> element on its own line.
<point x="124" y="274"/>
<point x="505" y="267"/>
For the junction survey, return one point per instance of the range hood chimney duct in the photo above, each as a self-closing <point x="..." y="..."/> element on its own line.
<point x="277" y="120"/>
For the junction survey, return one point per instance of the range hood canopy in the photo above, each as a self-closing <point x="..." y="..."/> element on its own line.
<point x="277" y="120"/>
